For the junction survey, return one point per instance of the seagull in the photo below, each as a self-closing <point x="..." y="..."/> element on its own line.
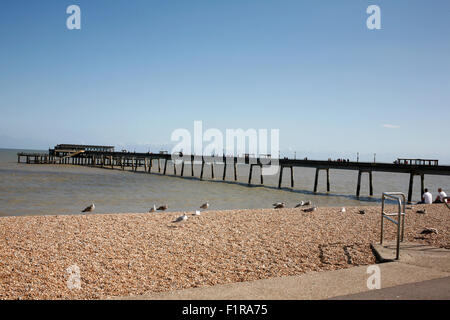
<point x="307" y="203"/>
<point x="89" y="209"/>
<point x="422" y="211"/>
<point x="153" y="209"/>
<point x="205" y="205"/>
<point x="196" y="213"/>
<point x="279" y="205"/>
<point x="180" y="218"/>
<point x="310" y="209"/>
<point x="343" y="210"/>
<point x="300" y="204"/>
<point x="429" y="231"/>
<point x="164" y="207"/>
<point x="362" y="212"/>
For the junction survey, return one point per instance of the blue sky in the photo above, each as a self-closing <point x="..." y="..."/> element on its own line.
<point x="137" y="70"/>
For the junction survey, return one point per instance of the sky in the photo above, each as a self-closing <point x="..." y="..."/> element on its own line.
<point x="138" y="70"/>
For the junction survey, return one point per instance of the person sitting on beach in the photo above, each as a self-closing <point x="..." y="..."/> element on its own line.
<point x="440" y="197"/>
<point x="427" y="198"/>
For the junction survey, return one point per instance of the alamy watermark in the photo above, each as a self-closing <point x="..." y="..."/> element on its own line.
<point x="73" y="22"/>
<point x="74" y="281"/>
<point x="246" y="145"/>
<point x="374" y="280"/>
<point x="374" y="20"/>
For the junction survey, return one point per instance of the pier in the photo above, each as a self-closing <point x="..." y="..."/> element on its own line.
<point x="107" y="157"/>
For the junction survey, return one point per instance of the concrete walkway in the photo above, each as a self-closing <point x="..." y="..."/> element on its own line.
<point x="436" y="289"/>
<point x="418" y="263"/>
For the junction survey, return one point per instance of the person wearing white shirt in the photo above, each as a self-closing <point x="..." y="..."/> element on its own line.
<point x="427" y="198"/>
<point x="440" y="197"/>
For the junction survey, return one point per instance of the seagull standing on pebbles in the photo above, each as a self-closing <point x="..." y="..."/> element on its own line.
<point x="196" y="213"/>
<point x="180" y="218"/>
<point x="205" y="206"/>
<point x="153" y="209"/>
<point x="89" y="209"/>
<point x="310" y="209"/>
<point x="429" y="231"/>
<point x="300" y="204"/>
<point x="162" y="208"/>
<point x="343" y="210"/>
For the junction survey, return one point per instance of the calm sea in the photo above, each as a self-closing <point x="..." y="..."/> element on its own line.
<point x="32" y="189"/>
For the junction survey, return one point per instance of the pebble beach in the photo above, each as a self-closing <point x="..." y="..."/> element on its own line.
<point x="138" y="253"/>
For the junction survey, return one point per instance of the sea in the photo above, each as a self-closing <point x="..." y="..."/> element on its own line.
<point x="43" y="189"/>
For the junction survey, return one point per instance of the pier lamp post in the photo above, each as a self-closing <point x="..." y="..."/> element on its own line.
<point x="374" y="157"/>
<point x="357" y="157"/>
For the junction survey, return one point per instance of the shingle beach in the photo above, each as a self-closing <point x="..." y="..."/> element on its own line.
<point x="133" y="254"/>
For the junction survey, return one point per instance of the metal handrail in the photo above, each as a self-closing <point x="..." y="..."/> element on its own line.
<point x="398" y="196"/>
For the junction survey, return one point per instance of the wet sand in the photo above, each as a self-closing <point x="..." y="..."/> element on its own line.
<point x="132" y="254"/>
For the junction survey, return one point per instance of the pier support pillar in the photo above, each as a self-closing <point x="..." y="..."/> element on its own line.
<point x="192" y="166"/>
<point x="174" y="167"/>
<point x="316" y="180"/>
<point x="261" y="174"/>
<point x="328" y="180"/>
<point x="251" y="172"/>
<point x="224" y="169"/>
<point x="358" y="187"/>
<point x="235" y="170"/>
<point x="280" y="178"/>
<point x="201" y="172"/>
<point x="292" y="177"/>
<point x="212" y="170"/>
<point x="165" y="166"/>
<point x="182" y="167"/>
<point x="411" y="184"/>
<point x="422" y="184"/>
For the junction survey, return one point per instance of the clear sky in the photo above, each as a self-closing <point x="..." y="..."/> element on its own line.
<point x="137" y="70"/>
